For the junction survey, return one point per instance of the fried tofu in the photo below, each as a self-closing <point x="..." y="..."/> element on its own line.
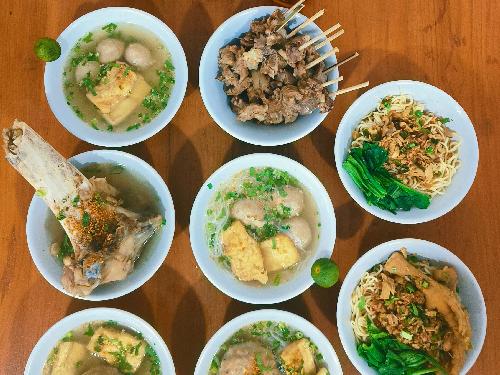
<point x="107" y="342"/>
<point x="244" y="252"/>
<point x="119" y="93"/>
<point x="68" y="355"/>
<point x="297" y="356"/>
<point x="279" y="253"/>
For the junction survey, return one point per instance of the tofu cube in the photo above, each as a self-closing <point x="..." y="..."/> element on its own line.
<point x="299" y="355"/>
<point x="279" y="253"/>
<point x="119" y="93"/>
<point x="68" y="355"/>
<point x="245" y="254"/>
<point x="117" y="347"/>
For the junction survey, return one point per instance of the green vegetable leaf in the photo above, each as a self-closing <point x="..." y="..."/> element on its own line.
<point x="66" y="249"/>
<point x="110" y="28"/>
<point x="365" y="166"/>
<point x="89" y="331"/>
<point x="85" y="219"/>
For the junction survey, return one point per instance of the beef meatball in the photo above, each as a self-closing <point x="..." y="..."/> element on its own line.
<point x="293" y="199"/>
<point x="89" y="67"/>
<point x="249" y="212"/>
<point x="299" y="232"/>
<point x="139" y="56"/>
<point x="110" y="50"/>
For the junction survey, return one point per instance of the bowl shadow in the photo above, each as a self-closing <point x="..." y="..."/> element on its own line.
<point x="295" y="305"/>
<point x="183" y="182"/>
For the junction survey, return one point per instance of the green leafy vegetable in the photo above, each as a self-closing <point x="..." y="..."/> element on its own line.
<point x="155" y="368"/>
<point x="89" y="331"/>
<point x="365" y="166"/>
<point x="66" y="249"/>
<point x="87" y="38"/>
<point x="110" y="27"/>
<point x="85" y="219"/>
<point x="388" y="356"/>
<point x="68" y="336"/>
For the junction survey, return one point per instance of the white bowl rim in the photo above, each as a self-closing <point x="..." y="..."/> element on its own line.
<point x="423" y="215"/>
<point x="169" y="215"/>
<point x="328" y="229"/>
<point x="293" y="320"/>
<point x="213" y="114"/>
<point x="48" y="341"/>
<point x="355" y="274"/>
<point x="81" y="129"/>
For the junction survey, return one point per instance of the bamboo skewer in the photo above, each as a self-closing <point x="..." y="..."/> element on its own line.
<point x="319" y="36"/>
<point x="349" y="89"/>
<point x="334" y="36"/>
<point x="304" y="24"/>
<point x="331" y="82"/>
<point x="341" y="62"/>
<point x="321" y="58"/>
<point x="291" y="17"/>
<point x="294" y="6"/>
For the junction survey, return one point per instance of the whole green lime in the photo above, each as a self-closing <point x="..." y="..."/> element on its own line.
<point x="325" y="272"/>
<point x="47" y="49"/>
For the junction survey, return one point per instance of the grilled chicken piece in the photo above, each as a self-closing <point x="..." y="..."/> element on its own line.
<point x="106" y="238"/>
<point x="445" y="301"/>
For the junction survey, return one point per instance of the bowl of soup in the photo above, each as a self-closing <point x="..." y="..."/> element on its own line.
<point x="140" y="190"/>
<point x="257" y="226"/>
<point x="272" y="341"/>
<point x="100" y="341"/>
<point x="121" y="77"/>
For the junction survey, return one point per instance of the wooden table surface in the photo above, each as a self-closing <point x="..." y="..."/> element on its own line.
<point x="450" y="44"/>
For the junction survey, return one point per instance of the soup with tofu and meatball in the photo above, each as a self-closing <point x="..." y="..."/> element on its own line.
<point x="267" y="347"/>
<point x="261" y="225"/>
<point x="102" y="348"/>
<point x="118" y="77"/>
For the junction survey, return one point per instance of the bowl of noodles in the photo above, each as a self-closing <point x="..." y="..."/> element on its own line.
<point x="410" y="306"/>
<point x="406" y="152"/>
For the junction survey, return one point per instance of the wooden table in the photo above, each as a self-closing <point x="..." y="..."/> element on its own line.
<point x="450" y="44"/>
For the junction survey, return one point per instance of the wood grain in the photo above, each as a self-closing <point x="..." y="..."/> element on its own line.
<point x="450" y="44"/>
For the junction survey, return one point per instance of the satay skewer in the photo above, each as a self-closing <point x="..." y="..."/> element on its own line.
<point x="349" y="89"/>
<point x="341" y="62"/>
<point x="305" y="23"/>
<point x="331" y="82"/>
<point x="321" y="58"/>
<point x="323" y="34"/>
<point x="334" y="36"/>
<point x="291" y="17"/>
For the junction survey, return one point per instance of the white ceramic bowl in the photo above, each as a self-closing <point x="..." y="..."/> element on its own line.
<point x="434" y="100"/>
<point x="223" y="279"/>
<point x="53" y="79"/>
<point x="50" y="339"/>
<point x="294" y="321"/>
<point x="41" y="222"/>
<point x="470" y="294"/>
<point x="216" y="100"/>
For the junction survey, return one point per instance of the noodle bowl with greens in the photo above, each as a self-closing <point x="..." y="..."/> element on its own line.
<point x="402" y="155"/>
